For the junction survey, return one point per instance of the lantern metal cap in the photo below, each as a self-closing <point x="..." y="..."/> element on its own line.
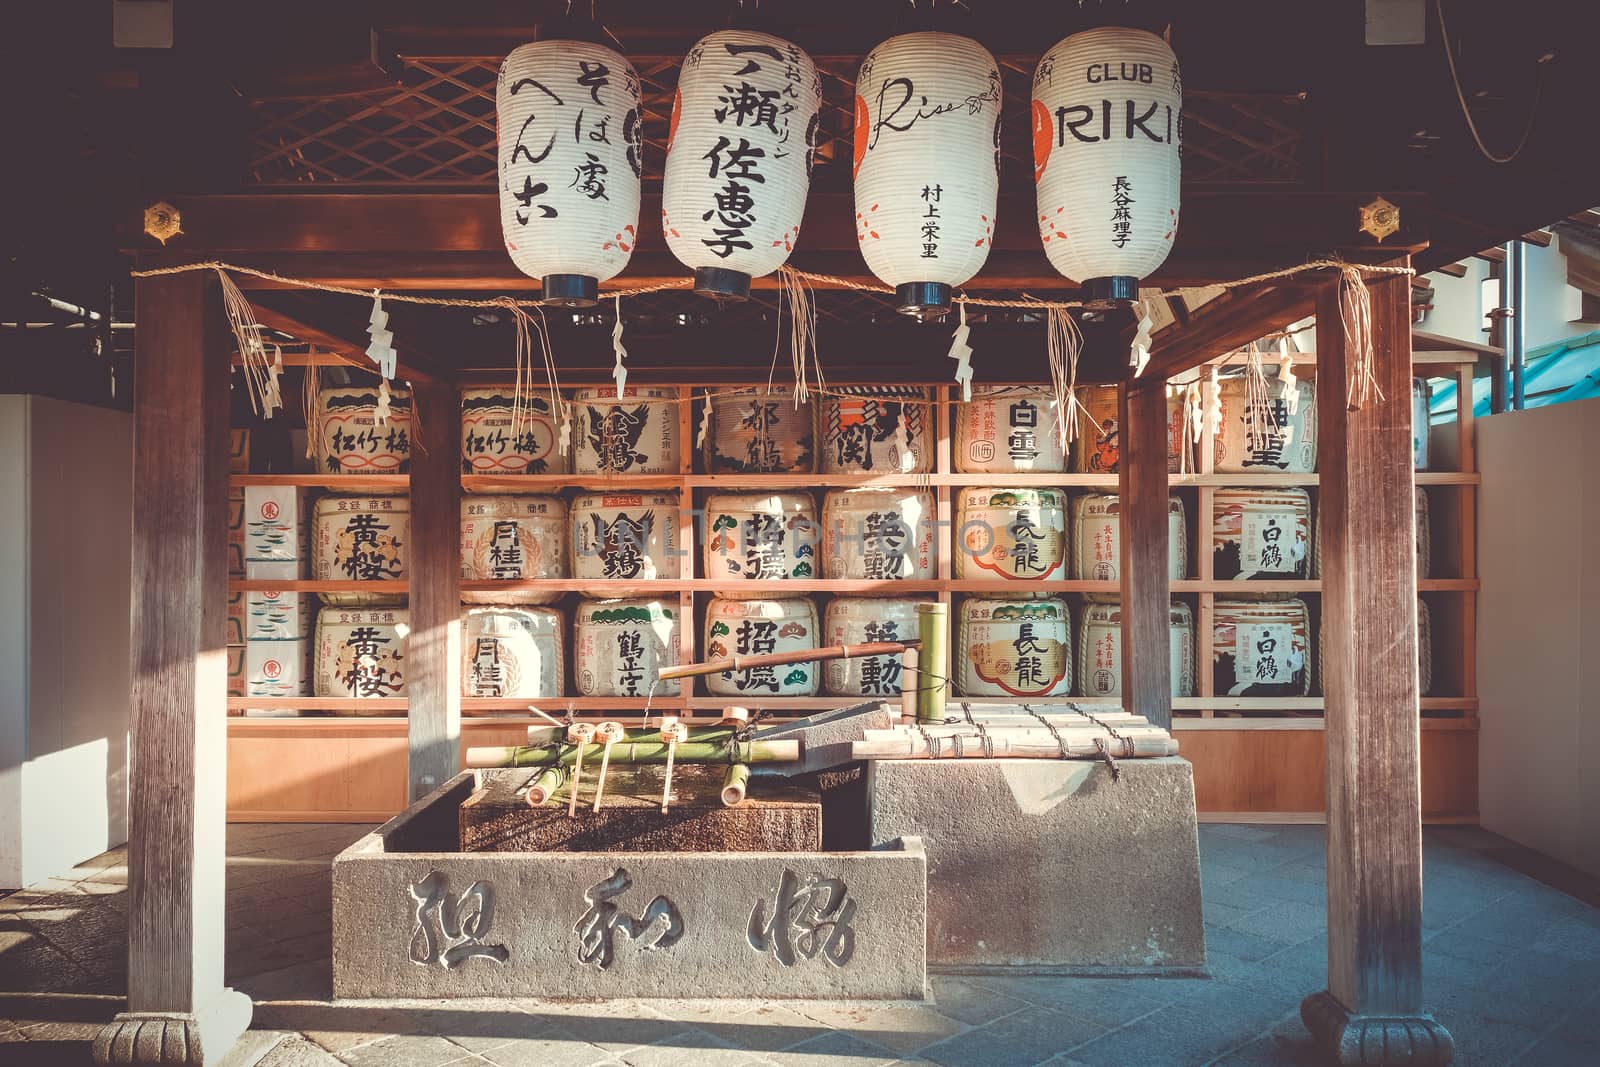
<point x="722" y="283"/>
<point x="570" y="290"/>
<point x="924" y="300"/>
<point x="1118" y="290"/>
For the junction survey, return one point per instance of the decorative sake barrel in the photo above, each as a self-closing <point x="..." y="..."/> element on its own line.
<point x="1421" y="409"/>
<point x="1100" y="650"/>
<point x="1261" y="648"/>
<point x="1017" y="534"/>
<point x="878" y="533"/>
<point x="619" y="645"/>
<point x="1419" y="498"/>
<point x="619" y="536"/>
<point x="512" y="652"/>
<point x="1287" y="441"/>
<point x="635" y="435"/>
<point x="761" y="537"/>
<point x="1015" y="647"/>
<point x="1098" y="446"/>
<point x="858" y="620"/>
<point x="760" y="431"/>
<point x="1006" y="429"/>
<point x="349" y="439"/>
<point x="361" y="652"/>
<point x="361" y="539"/>
<point x="877" y="429"/>
<point x="513" y="537"/>
<point x="493" y="442"/>
<point x="1097" y="532"/>
<point x="1261" y="533"/>
<point x="761" y="627"/>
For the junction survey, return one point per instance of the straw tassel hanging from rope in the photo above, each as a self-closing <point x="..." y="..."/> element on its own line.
<point x="260" y="381"/>
<point x="1064" y="343"/>
<point x="802" y="304"/>
<point x="1355" y="313"/>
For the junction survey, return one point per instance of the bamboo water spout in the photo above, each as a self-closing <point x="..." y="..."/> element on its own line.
<point x="780" y="659"/>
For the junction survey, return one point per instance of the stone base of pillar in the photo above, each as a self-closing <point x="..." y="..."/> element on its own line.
<point x="175" y="1039"/>
<point x="1375" y="1040"/>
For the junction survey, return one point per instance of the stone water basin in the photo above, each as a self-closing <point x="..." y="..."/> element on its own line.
<point x="416" y="916"/>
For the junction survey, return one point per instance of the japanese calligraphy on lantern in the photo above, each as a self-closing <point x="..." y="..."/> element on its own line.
<point x="926" y="160"/>
<point x="1107" y="137"/>
<point x="744" y="123"/>
<point x="570" y="157"/>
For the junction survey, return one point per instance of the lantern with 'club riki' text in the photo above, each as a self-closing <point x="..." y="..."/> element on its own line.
<point x="1107" y="108"/>
<point x="744" y="121"/>
<point x="927" y="164"/>
<point x="571" y="153"/>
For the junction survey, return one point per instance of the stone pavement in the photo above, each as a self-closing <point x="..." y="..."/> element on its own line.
<point x="1512" y="967"/>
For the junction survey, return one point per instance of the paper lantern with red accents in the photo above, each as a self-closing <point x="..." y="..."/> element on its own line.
<point x="1107" y="107"/>
<point x="744" y="122"/>
<point x="571" y="153"/>
<point x="927" y="159"/>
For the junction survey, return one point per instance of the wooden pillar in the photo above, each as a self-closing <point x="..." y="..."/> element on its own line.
<point x="179" y="1011"/>
<point x="1371" y="1012"/>
<point x="433" y="648"/>
<point x="1142" y="488"/>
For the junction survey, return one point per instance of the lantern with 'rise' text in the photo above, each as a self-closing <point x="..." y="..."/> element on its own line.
<point x="571" y="144"/>
<point x="927" y="164"/>
<point x="1107" y="105"/>
<point x="744" y="121"/>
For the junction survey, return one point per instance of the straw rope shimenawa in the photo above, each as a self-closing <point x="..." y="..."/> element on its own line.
<point x="1353" y="301"/>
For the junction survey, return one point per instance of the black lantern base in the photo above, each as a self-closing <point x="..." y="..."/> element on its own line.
<point x="923" y="300"/>
<point x="722" y="283"/>
<point x="570" y="290"/>
<point x="1118" y="290"/>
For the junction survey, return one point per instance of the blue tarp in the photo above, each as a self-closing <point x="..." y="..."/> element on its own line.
<point x="1552" y="374"/>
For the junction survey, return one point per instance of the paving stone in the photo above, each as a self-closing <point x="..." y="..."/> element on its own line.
<point x="1109" y="1002"/>
<point x="405" y="1050"/>
<point x="973" y="1000"/>
<point x="557" y="1048"/>
<point x="481" y="1025"/>
<point x="296" y="1051"/>
<point x="766" y="1028"/>
<point x="1275" y="1050"/>
<point x="616" y="1028"/>
<point x="336" y="1028"/>
<point x="696" y="1047"/>
<point x="833" y="1050"/>
<point x="1031" y="1036"/>
<point x="1288" y="922"/>
<point x="1238" y="831"/>
<point x="1177" y="1036"/>
<point x="900" y="1028"/>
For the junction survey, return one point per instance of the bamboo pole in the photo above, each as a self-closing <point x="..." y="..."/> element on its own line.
<point x="915" y="747"/>
<point x="673" y="733"/>
<point x="546" y="784"/>
<point x="779" y="659"/>
<point x="933" y="675"/>
<point x="537" y="735"/>
<point x="1025" y="732"/>
<point x="580" y="733"/>
<point x="908" y="684"/>
<point x="631" y="752"/>
<point x="610" y="733"/>
<point x="734" y="784"/>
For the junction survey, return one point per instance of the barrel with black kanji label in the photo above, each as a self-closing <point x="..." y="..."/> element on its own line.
<point x="1014" y="647"/>
<point x="885" y="429"/>
<point x="354" y="435"/>
<point x="1008" y="429"/>
<point x="512" y="538"/>
<point x="758" y="537"/>
<point x="501" y="435"/>
<point x="760" y="430"/>
<point x="1019" y="535"/>
<point x="1269" y="426"/>
<point x="1097" y="539"/>
<point x="634" y="434"/>
<point x="1100" y="650"/>
<point x="758" y="628"/>
<point x="361" y="539"/>
<point x="513" y="652"/>
<point x="881" y="534"/>
<point x="361" y="653"/>
<point x="619" y="645"/>
<point x="1261" y="648"/>
<point x="863" y="620"/>
<point x="625" y="536"/>
<point x="1261" y="534"/>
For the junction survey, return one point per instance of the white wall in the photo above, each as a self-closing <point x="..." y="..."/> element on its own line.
<point x="1539" y="628"/>
<point x="1456" y="311"/>
<point x="65" y="522"/>
<point x="1552" y="308"/>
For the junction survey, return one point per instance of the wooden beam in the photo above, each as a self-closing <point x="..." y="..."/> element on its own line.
<point x="428" y="236"/>
<point x="1142" y="488"/>
<point x="177" y="743"/>
<point x="433" y="649"/>
<point x="1538" y="237"/>
<point x="343" y="331"/>
<point x="1455" y="270"/>
<point x="1224" y="324"/>
<point x="1371" y="1012"/>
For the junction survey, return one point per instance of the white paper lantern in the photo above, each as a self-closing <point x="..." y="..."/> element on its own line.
<point x="744" y="121"/>
<point x="927" y="164"/>
<point x="1107" y="109"/>
<point x="571" y="153"/>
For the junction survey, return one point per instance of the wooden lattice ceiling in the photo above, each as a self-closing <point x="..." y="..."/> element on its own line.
<point x="436" y="128"/>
